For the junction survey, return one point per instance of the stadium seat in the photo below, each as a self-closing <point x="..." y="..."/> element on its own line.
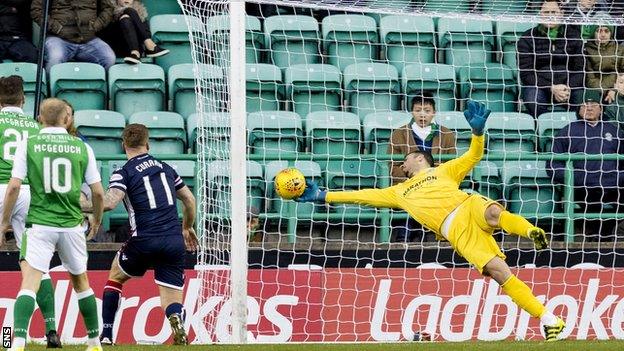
<point x="349" y="39"/>
<point x="333" y="133"/>
<point x="218" y="187"/>
<point x="445" y="6"/>
<point x="28" y="72"/>
<point x="504" y="6"/>
<point x="507" y="35"/>
<point x="172" y="32"/>
<point x="162" y="7"/>
<point x="274" y="132"/>
<point x="371" y="87"/>
<point x="492" y="84"/>
<point x="102" y="129"/>
<point x="216" y="133"/>
<point x="292" y="40"/>
<point x="437" y="79"/>
<point x="82" y="84"/>
<point x="464" y="42"/>
<point x="136" y="88"/>
<point x="408" y="39"/>
<point x="456" y="122"/>
<point x="218" y="28"/>
<point x="264" y="87"/>
<point x="491" y="184"/>
<point x="166" y="131"/>
<point x="311" y="88"/>
<point x="511" y="134"/>
<point x="528" y="191"/>
<point x="181" y="81"/>
<point x="548" y="124"/>
<point x="275" y="204"/>
<point x="378" y="128"/>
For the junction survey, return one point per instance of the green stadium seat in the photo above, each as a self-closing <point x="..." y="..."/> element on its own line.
<point x="505" y="6"/>
<point x="491" y="184"/>
<point x="102" y="129"/>
<point x="136" y="88"/>
<point x="529" y="191"/>
<point x="511" y="134"/>
<point x="28" y="72"/>
<point x="292" y="40"/>
<point x="181" y="81"/>
<point x="445" y="6"/>
<point x="218" y="28"/>
<point x="218" y="187"/>
<point x="464" y="42"/>
<point x="349" y="39"/>
<point x="490" y="83"/>
<point x="548" y="124"/>
<point x="275" y="204"/>
<point x="162" y="7"/>
<point x="274" y="132"/>
<point x="166" y="131"/>
<point x="456" y="122"/>
<point x="311" y="88"/>
<point x="507" y="35"/>
<point x="371" y="87"/>
<point x="82" y="84"/>
<point x="378" y="128"/>
<point x="216" y="133"/>
<point x="172" y="32"/>
<point x="437" y="79"/>
<point x="333" y="133"/>
<point x="264" y="87"/>
<point x="408" y="39"/>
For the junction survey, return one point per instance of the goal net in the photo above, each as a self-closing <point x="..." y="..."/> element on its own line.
<point x="342" y="90"/>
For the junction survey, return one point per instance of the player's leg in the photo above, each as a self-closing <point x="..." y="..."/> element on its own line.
<point x="497" y="217"/>
<point x="522" y="295"/>
<point x="110" y="300"/>
<point x="171" y="302"/>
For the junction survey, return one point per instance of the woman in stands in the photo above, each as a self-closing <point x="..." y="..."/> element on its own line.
<point x="605" y="59"/>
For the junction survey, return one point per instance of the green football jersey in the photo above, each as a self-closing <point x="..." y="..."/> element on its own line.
<point x="15" y="128"/>
<point x="56" y="170"/>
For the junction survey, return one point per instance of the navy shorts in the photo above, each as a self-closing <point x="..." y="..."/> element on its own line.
<point x="165" y="254"/>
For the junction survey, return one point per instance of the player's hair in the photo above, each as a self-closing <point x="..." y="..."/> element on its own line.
<point x="11" y="91"/>
<point x="52" y="111"/>
<point x="135" y="135"/>
<point x="423" y="98"/>
<point x="426" y="154"/>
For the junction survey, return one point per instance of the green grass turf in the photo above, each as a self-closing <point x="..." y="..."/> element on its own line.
<point x="568" y="345"/>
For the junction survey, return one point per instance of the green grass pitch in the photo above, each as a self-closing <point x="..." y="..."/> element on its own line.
<point x="567" y="345"/>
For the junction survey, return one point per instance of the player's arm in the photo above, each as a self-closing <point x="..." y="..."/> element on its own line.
<point x="111" y="199"/>
<point x="367" y="197"/>
<point x="18" y="174"/>
<point x="185" y="195"/>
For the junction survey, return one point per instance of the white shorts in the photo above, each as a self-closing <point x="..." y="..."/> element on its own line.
<point x="40" y="242"/>
<point x="18" y="217"/>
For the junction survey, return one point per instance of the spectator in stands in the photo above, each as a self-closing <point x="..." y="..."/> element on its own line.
<point x="604" y="59"/>
<point x="253" y="222"/>
<point x="131" y="21"/>
<point x="596" y="183"/>
<point x="550" y="59"/>
<point x="587" y="11"/>
<point x="16" y="32"/>
<point x="72" y="28"/>
<point x="615" y="110"/>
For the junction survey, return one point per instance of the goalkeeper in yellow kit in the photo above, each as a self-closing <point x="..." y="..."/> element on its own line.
<point x="431" y="196"/>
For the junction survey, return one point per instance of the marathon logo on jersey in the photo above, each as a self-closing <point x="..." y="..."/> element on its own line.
<point x="147" y="164"/>
<point x="419" y="184"/>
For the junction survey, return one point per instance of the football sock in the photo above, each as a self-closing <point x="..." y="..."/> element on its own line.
<point x="88" y="309"/>
<point x="175" y="308"/>
<point x="514" y="224"/>
<point x="45" y="300"/>
<point x="22" y="311"/>
<point x="110" y="304"/>
<point x="522" y="295"/>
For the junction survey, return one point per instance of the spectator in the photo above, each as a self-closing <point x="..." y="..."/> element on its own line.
<point x="595" y="182"/>
<point x="420" y="134"/>
<point x="253" y="222"/>
<point x="615" y="110"/>
<point x="72" y="28"/>
<point x="587" y="11"/>
<point x="550" y="59"/>
<point x="130" y="18"/>
<point x="16" y="32"/>
<point x="604" y="59"/>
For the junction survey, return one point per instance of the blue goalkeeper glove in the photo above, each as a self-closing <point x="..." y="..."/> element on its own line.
<point x="312" y="193"/>
<point x="476" y="114"/>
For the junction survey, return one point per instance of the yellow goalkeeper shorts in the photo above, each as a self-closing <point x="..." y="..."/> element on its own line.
<point x="470" y="234"/>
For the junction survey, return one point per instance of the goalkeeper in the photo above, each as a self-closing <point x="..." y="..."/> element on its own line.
<point x="431" y="196"/>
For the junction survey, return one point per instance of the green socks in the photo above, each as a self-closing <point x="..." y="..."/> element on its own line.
<point x="88" y="309"/>
<point x="45" y="300"/>
<point x="22" y="311"/>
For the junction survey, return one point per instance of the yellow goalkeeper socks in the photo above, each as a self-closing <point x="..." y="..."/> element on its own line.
<point x="523" y="296"/>
<point x="514" y="224"/>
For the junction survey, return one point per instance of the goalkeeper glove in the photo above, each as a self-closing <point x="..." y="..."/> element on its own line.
<point x="312" y="193"/>
<point x="476" y="114"/>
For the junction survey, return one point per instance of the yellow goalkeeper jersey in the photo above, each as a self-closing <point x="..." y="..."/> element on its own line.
<point x="429" y="196"/>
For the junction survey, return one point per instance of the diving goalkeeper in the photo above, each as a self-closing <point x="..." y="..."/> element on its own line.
<point x="432" y="197"/>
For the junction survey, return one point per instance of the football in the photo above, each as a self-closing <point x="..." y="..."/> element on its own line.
<point x="289" y="183"/>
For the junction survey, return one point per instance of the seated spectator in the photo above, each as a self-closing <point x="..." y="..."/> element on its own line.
<point x="615" y="110"/>
<point x="604" y="59"/>
<point x="595" y="182"/>
<point x="131" y="19"/>
<point x="587" y="11"/>
<point x="72" y="28"/>
<point x="16" y="32"/>
<point x="551" y="64"/>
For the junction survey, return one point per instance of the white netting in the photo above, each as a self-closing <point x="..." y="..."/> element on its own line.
<point x="327" y="84"/>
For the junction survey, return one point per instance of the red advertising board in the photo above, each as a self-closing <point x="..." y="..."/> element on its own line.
<point x="352" y="305"/>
